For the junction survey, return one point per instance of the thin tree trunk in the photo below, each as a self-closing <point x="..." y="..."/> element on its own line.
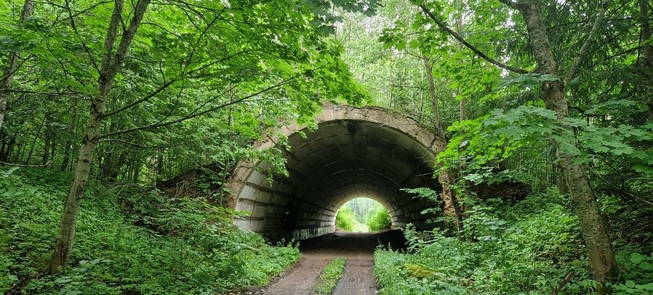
<point x="461" y="105"/>
<point x="447" y="177"/>
<point x="48" y="141"/>
<point x="111" y="64"/>
<point x="12" y="64"/>
<point x="31" y="149"/>
<point x="70" y="131"/>
<point x="7" y="147"/>
<point x="592" y="226"/>
<point x="647" y="55"/>
<point x="434" y="100"/>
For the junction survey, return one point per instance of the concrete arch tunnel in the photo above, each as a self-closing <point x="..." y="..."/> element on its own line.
<point x="355" y="152"/>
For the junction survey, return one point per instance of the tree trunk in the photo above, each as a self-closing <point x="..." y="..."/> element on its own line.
<point x="437" y="120"/>
<point x="592" y="226"/>
<point x="7" y="146"/>
<point x="12" y="64"/>
<point x="75" y="194"/>
<point x="447" y="177"/>
<point x="647" y="55"/>
<point x="111" y="64"/>
<point x="48" y="141"/>
<point x="31" y="149"/>
<point x="67" y="144"/>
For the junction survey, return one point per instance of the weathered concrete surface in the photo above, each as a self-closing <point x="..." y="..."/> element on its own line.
<point x="355" y="152"/>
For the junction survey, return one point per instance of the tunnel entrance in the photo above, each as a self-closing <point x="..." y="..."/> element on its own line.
<point x="354" y="152"/>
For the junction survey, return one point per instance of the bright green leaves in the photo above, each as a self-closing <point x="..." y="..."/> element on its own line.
<point x="522" y="248"/>
<point x="638" y="270"/>
<point x="528" y="81"/>
<point x="495" y="137"/>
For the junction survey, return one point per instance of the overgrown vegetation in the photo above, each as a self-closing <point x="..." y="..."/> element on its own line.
<point x="131" y="240"/>
<point x="345" y="219"/>
<point x="330" y="275"/>
<point x="378" y="218"/>
<point x="532" y="247"/>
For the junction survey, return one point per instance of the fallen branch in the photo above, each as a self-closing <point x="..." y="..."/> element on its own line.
<point x="563" y="283"/>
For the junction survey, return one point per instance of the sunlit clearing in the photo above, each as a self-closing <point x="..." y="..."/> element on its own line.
<point x="362" y="215"/>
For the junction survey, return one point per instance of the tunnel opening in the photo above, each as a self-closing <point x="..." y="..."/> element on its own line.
<point x="362" y="215"/>
<point x="353" y="152"/>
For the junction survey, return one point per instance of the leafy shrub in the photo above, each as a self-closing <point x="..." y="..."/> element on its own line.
<point x="378" y="218"/>
<point x="637" y="273"/>
<point x="523" y="249"/>
<point x="345" y="219"/>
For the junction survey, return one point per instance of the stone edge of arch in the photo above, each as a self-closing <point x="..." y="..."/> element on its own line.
<point x="373" y="114"/>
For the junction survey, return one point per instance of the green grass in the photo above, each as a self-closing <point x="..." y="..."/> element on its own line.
<point x="330" y="276"/>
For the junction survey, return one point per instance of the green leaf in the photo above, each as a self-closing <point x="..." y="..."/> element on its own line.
<point x="636" y="258"/>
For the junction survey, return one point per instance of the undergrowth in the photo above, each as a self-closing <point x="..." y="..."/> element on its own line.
<point x="129" y="240"/>
<point x="533" y="247"/>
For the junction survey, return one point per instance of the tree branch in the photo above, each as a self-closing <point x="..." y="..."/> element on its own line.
<point x="127" y="37"/>
<point x="137" y="145"/>
<point x="168" y="84"/>
<point x="444" y="27"/>
<point x="74" y="26"/>
<point x="77" y="13"/>
<point x="197" y="42"/>
<point x="563" y="283"/>
<point x="143" y="99"/>
<point x="583" y="50"/>
<point x="197" y="114"/>
<point x="25" y="165"/>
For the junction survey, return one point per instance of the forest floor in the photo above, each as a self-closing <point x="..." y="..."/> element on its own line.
<point x="358" y="276"/>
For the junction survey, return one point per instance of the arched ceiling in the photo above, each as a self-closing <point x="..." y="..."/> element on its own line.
<point x="355" y="152"/>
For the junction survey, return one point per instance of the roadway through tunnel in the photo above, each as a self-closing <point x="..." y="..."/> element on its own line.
<point x="355" y="152"/>
<point x="356" y="248"/>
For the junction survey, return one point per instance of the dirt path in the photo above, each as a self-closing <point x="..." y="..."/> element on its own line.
<point x="358" y="277"/>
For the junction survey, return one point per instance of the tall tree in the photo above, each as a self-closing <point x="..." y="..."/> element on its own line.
<point x="447" y="176"/>
<point x="553" y="92"/>
<point x="115" y="52"/>
<point x="593" y="229"/>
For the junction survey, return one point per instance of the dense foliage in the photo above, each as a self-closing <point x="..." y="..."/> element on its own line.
<point x="378" y="218"/>
<point x="532" y="247"/>
<point x="139" y="92"/>
<point x="131" y="240"/>
<point x="345" y="219"/>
